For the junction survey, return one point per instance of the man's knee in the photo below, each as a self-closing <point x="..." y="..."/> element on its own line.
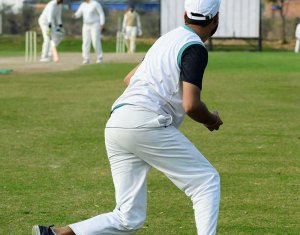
<point x="214" y="178"/>
<point x="209" y="183"/>
<point x="132" y="221"/>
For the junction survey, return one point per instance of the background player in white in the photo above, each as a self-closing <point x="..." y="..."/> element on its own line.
<point x="297" y="34"/>
<point x="51" y="26"/>
<point x="93" y="22"/>
<point x="131" y="27"/>
<point x="142" y="131"/>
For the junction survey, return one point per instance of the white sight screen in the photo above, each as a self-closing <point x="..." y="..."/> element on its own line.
<point x="238" y="18"/>
<point x="172" y="12"/>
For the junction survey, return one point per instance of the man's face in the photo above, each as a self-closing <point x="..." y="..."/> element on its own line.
<point x="214" y="30"/>
<point x="216" y="22"/>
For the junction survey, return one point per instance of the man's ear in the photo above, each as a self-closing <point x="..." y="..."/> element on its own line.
<point x="185" y="16"/>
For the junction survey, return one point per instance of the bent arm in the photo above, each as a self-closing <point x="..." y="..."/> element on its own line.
<point x="196" y="109"/>
<point x="58" y="16"/>
<point x="124" y="22"/>
<point x="78" y="13"/>
<point x="50" y="15"/>
<point x="101" y="14"/>
<point x="129" y="75"/>
<point x="138" y="21"/>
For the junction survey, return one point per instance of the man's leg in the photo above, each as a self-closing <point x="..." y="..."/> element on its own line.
<point x="167" y="150"/>
<point x="129" y="176"/>
<point x="133" y="39"/>
<point x="297" y="47"/>
<point x="96" y="40"/>
<point x="86" y="43"/>
<point x="127" y="38"/>
<point x="56" y="40"/>
<point x="64" y="231"/>
<point x="46" y="42"/>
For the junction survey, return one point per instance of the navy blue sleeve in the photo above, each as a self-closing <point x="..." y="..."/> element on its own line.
<point x="193" y="63"/>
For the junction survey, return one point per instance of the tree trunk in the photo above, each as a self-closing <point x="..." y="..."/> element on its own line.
<point x="283" y="20"/>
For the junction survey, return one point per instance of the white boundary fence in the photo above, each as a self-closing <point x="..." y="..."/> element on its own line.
<point x="239" y="19"/>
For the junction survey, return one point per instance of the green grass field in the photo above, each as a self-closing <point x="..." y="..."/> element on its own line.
<point x="54" y="168"/>
<point x="15" y="45"/>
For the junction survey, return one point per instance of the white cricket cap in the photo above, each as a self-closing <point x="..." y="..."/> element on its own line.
<point x="202" y="9"/>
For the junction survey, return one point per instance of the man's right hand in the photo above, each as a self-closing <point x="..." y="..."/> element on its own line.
<point x="216" y="124"/>
<point x="140" y="32"/>
<point x="196" y="109"/>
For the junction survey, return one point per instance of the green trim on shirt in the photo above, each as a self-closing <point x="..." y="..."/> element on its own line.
<point x="183" y="49"/>
<point x="119" y="106"/>
<point x="189" y="28"/>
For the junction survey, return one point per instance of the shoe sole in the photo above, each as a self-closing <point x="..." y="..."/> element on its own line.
<point x="36" y="230"/>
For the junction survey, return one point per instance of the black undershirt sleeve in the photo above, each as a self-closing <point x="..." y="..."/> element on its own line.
<point x="193" y="63"/>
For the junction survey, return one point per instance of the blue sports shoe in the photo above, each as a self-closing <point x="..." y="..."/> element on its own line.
<point x="42" y="230"/>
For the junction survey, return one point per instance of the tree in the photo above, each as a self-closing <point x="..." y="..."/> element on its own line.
<point x="17" y="22"/>
<point x="280" y="6"/>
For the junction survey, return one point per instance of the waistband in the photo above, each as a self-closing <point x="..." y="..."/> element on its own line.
<point x="119" y="106"/>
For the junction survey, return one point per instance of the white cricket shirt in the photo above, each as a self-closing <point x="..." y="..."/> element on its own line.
<point x="156" y="85"/>
<point x="51" y="14"/>
<point x="131" y="19"/>
<point x="92" y="12"/>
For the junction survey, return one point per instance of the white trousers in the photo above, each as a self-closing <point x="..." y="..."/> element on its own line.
<point x="297" y="46"/>
<point x="137" y="140"/>
<point x="49" y="42"/>
<point x="130" y="37"/>
<point x="91" y="34"/>
<point x="46" y="50"/>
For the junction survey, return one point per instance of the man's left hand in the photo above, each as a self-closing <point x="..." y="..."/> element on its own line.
<point x="140" y="32"/>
